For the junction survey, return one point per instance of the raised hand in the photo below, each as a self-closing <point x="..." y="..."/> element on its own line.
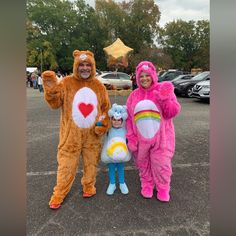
<point x="166" y="90"/>
<point x="49" y="78"/>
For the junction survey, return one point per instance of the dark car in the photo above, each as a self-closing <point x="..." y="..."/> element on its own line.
<point x="182" y="78"/>
<point x="170" y="75"/>
<point x="185" y="87"/>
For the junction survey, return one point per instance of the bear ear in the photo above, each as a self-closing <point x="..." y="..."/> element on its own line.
<point x="114" y="105"/>
<point x="89" y="53"/>
<point x="76" y="53"/>
<point x="110" y="113"/>
<point x="125" y="115"/>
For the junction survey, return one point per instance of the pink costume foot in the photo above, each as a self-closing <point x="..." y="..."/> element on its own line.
<point x="163" y="196"/>
<point x="147" y="192"/>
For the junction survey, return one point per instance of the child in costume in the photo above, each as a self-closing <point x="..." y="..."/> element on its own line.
<point x="150" y="130"/>
<point x="115" y="151"/>
<point x="82" y="99"/>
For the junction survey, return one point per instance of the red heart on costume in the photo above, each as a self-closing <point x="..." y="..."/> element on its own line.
<point x="85" y="109"/>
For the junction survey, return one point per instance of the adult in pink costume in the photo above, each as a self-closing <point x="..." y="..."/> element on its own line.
<point x="150" y="132"/>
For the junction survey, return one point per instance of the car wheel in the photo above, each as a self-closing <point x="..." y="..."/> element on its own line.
<point x="108" y="86"/>
<point x="189" y="91"/>
<point x="126" y="87"/>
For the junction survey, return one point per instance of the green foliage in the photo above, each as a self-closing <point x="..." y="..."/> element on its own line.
<point x="187" y="43"/>
<point x="55" y="28"/>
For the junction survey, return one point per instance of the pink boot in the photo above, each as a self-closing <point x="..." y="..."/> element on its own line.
<point x="163" y="195"/>
<point x="147" y="192"/>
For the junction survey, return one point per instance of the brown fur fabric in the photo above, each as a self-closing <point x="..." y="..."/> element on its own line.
<point x="82" y="102"/>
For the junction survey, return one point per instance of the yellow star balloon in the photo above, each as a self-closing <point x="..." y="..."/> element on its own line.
<point x="117" y="53"/>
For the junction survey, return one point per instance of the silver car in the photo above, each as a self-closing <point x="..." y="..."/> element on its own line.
<point x="115" y="80"/>
<point x="201" y="90"/>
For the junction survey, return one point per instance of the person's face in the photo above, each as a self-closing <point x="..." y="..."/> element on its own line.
<point x="84" y="70"/>
<point x="116" y="123"/>
<point x="145" y="80"/>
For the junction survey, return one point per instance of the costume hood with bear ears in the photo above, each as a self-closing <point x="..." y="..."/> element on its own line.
<point x="118" y="112"/>
<point x="149" y="68"/>
<point x="83" y="56"/>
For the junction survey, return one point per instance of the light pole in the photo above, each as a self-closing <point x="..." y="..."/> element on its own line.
<point x="41" y="60"/>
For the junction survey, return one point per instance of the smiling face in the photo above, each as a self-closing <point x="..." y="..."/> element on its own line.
<point x="145" y="80"/>
<point x="116" y="123"/>
<point x="84" y="70"/>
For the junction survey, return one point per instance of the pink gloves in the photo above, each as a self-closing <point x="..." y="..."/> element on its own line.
<point x="132" y="144"/>
<point x="166" y="90"/>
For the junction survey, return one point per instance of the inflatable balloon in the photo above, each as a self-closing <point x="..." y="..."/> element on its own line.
<point x="117" y="54"/>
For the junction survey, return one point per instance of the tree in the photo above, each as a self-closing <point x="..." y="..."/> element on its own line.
<point x="202" y="56"/>
<point x="142" y="23"/>
<point x="157" y="56"/>
<point x="134" y="22"/>
<point x="185" y="42"/>
<point x="66" y="26"/>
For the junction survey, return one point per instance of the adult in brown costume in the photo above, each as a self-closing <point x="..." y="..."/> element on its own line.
<point x="83" y="100"/>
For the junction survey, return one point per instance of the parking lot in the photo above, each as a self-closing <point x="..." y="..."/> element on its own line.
<point x="186" y="214"/>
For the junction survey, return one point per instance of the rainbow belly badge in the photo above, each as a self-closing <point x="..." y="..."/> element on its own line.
<point x="147" y="118"/>
<point x="117" y="149"/>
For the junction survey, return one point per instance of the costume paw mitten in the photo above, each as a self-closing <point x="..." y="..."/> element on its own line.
<point x="101" y="125"/>
<point x="49" y="79"/>
<point x="166" y="90"/>
<point x="132" y="145"/>
<point x="100" y="130"/>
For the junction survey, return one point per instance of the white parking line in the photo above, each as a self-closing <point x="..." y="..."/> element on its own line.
<point x="127" y="168"/>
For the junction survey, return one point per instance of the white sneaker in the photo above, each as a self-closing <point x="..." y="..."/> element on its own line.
<point x="111" y="189"/>
<point x="124" y="189"/>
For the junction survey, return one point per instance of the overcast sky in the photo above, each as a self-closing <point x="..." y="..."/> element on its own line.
<point x="179" y="9"/>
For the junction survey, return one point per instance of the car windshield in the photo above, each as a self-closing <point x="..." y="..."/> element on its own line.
<point x="110" y="76"/>
<point x="178" y="77"/>
<point x="201" y="75"/>
<point x="164" y="74"/>
<point x="124" y="76"/>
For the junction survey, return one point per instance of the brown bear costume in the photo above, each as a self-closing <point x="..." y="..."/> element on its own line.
<point x="82" y="102"/>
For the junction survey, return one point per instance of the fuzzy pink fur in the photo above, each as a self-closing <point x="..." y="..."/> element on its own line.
<point x="166" y="90"/>
<point x="148" y="67"/>
<point x="133" y="144"/>
<point x="163" y="195"/>
<point x="147" y="192"/>
<point x="152" y="155"/>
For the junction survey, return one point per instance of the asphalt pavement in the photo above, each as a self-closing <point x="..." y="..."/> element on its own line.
<point x="128" y="215"/>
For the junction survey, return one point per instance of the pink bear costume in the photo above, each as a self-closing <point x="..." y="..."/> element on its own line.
<point x="150" y="132"/>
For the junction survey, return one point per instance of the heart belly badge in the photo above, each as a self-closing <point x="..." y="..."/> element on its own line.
<point x="85" y="109"/>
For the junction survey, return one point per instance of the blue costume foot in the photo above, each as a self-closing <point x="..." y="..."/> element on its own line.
<point x="111" y="189"/>
<point x="124" y="189"/>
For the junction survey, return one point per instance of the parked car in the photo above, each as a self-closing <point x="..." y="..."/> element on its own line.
<point x="185" y="87"/>
<point x="170" y="75"/>
<point x="98" y="72"/>
<point x="118" y="80"/>
<point x="182" y="78"/>
<point x="201" y="90"/>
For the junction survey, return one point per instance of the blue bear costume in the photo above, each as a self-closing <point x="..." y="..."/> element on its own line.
<point x="115" y="151"/>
